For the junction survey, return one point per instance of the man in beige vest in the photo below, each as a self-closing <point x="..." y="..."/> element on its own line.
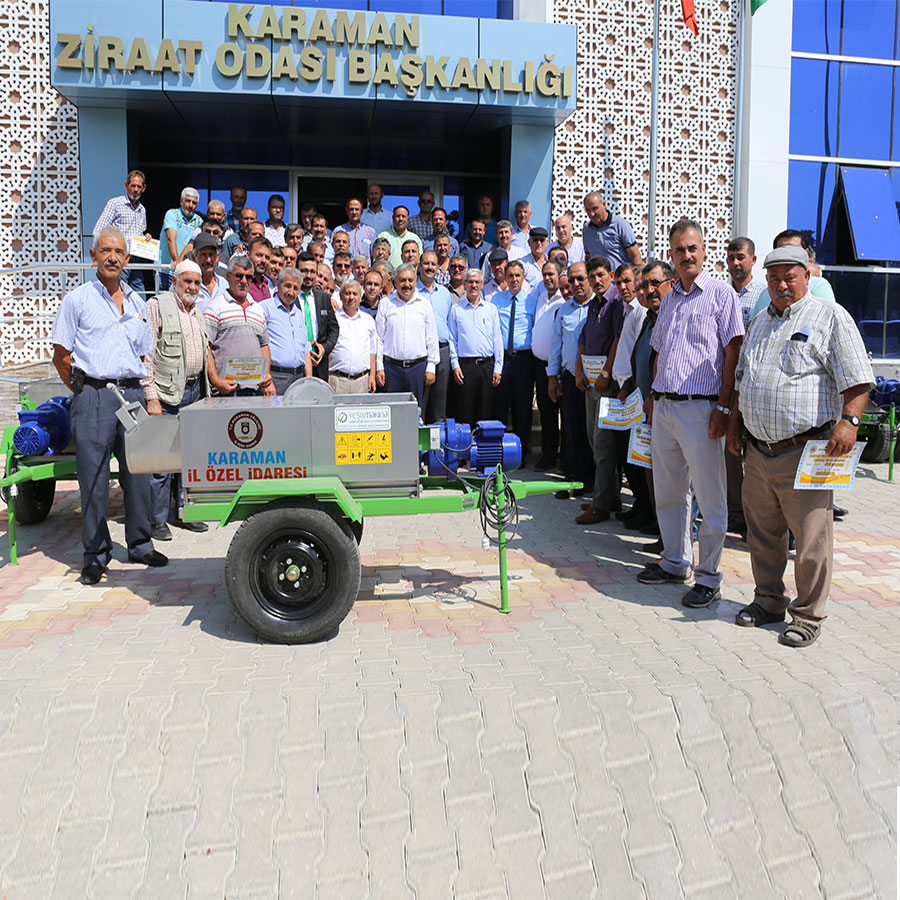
<point x="176" y="377"/>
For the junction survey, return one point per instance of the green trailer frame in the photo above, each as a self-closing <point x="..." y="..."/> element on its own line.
<point x="314" y="524"/>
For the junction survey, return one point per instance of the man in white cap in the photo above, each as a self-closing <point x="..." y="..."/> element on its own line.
<point x="803" y="375"/>
<point x="176" y="377"/>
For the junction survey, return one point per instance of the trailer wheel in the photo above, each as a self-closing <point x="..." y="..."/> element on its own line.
<point x="33" y="501"/>
<point x="292" y="573"/>
<point x="878" y="444"/>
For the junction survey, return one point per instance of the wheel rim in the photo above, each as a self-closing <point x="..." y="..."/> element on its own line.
<point x="291" y="575"/>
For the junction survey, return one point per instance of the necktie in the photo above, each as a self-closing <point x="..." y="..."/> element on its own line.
<point x="308" y="316"/>
<point x="512" y="326"/>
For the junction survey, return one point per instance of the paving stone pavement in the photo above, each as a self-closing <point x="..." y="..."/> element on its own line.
<point x="600" y="741"/>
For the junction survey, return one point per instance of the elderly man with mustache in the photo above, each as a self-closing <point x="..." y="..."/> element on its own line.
<point x="101" y="335"/>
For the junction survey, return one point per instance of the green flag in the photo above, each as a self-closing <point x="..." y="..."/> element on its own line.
<point x="755" y="5"/>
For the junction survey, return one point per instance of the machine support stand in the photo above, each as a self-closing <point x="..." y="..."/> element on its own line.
<point x="500" y="503"/>
<point x="11" y="525"/>
<point x="892" y="425"/>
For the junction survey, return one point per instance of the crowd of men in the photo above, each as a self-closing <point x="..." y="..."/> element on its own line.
<point x="477" y="328"/>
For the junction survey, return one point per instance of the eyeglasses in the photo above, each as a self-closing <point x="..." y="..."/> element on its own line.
<point x="242" y="276"/>
<point x="457" y="267"/>
<point x="653" y="282"/>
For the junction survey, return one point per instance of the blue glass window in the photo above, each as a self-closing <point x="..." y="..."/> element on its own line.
<point x="865" y="124"/>
<point x="410" y="7"/>
<point x="817" y="26"/>
<point x="810" y="189"/>
<point x="814" y="96"/>
<point x="869" y="28"/>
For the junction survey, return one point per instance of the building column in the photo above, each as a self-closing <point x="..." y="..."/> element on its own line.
<point x="531" y="170"/>
<point x="762" y="194"/>
<point x="103" y="160"/>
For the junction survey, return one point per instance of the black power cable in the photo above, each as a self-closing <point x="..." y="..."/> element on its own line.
<point x="492" y="519"/>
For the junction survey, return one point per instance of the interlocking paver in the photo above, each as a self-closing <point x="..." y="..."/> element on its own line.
<point x="599" y="741"/>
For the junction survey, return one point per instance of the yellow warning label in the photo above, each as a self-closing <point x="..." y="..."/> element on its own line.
<point x="356" y="447"/>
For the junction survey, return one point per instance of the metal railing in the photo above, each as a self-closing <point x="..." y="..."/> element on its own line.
<point x="31" y="327"/>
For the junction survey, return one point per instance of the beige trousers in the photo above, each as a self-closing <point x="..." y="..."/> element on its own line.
<point x="771" y="507"/>
<point x="341" y="385"/>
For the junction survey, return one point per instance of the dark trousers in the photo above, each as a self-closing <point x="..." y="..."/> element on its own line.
<point x="164" y="484"/>
<point x="734" y="484"/>
<point x="398" y="379"/>
<point x="579" y="461"/>
<point x="320" y="370"/>
<point x="475" y="396"/>
<point x="98" y="433"/>
<point x="283" y="380"/>
<point x="549" y="413"/>
<point x="436" y="394"/>
<point x="514" y="398"/>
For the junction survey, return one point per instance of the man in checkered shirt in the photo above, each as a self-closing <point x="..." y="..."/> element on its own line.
<point x="803" y="374"/>
<point x="127" y="213"/>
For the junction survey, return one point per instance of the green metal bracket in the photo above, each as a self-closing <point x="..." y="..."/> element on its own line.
<point x="266" y="490"/>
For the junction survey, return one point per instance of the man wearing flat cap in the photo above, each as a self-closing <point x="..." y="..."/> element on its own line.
<point x="803" y="375"/>
<point x="176" y="377"/>
<point x="533" y="261"/>
<point x="497" y="260"/>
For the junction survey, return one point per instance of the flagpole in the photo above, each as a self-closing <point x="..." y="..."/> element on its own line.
<point x="654" y="125"/>
<point x="738" y="200"/>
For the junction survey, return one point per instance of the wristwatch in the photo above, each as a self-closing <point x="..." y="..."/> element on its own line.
<point x="853" y="420"/>
<point x="604" y="373"/>
<point x="723" y="409"/>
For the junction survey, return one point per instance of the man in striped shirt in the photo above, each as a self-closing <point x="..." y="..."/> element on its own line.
<point x="236" y="327"/>
<point x="697" y="338"/>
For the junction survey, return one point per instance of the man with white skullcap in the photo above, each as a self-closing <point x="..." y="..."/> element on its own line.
<point x="176" y="377"/>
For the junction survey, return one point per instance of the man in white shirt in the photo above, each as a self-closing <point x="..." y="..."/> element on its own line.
<point x="566" y="239"/>
<point x="408" y="344"/>
<point x="275" y="222"/>
<point x="351" y="364"/>
<point x="504" y="242"/>
<point x="549" y="298"/>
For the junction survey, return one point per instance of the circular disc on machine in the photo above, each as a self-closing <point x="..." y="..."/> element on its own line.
<point x="309" y="390"/>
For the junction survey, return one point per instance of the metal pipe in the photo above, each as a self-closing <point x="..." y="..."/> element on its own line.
<point x="654" y="126"/>
<point x="738" y="200"/>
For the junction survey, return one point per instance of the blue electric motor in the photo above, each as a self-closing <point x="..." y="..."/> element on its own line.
<point x="885" y="392"/>
<point x="44" y="430"/>
<point x="484" y="446"/>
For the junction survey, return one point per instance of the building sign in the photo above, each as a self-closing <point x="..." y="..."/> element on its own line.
<point x="217" y="47"/>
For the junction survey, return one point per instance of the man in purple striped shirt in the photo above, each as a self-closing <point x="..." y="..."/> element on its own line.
<point x="698" y="339"/>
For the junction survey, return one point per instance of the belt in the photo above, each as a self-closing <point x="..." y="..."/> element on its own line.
<point x="190" y="382"/>
<point x="509" y="354"/>
<point x="477" y="360"/>
<point x="287" y="370"/>
<point x="773" y="449"/>
<point x="443" y="343"/>
<point x="668" y="395"/>
<point x="347" y="374"/>
<point x="405" y="363"/>
<point x="118" y="382"/>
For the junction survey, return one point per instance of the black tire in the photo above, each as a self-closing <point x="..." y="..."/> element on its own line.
<point x="878" y="444"/>
<point x="277" y="544"/>
<point x="34" y="500"/>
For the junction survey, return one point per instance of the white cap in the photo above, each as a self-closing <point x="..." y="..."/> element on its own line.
<point x="187" y="265"/>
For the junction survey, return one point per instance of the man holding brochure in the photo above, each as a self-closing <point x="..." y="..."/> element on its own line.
<point x="803" y="375"/>
<point x="602" y="325"/>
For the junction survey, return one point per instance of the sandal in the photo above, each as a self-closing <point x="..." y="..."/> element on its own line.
<point x="754" y="615"/>
<point x="806" y="630"/>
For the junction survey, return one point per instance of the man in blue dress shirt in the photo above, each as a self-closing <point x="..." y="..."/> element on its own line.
<point x="513" y="402"/>
<point x="476" y="351"/>
<point x="435" y="407"/>
<point x="578" y="462"/>
<point x="286" y="324"/>
<point x="101" y="335"/>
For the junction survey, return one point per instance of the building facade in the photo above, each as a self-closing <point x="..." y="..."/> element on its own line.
<point x="536" y="99"/>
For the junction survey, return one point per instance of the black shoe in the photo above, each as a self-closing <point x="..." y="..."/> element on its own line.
<point x="161" y="532"/>
<point x="654" y="573"/>
<point x="623" y="515"/>
<point x="651" y="529"/>
<point x="700" y="596"/>
<point x="638" y="523"/>
<point x="154" y="559"/>
<point x="198" y="527"/>
<point x="838" y="512"/>
<point x="655" y="547"/>
<point x="91" y="574"/>
<point x="543" y="464"/>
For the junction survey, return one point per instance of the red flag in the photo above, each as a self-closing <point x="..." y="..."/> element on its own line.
<point x="690" y="17"/>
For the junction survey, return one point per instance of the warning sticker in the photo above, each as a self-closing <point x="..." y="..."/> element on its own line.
<point x="362" y="447"/>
